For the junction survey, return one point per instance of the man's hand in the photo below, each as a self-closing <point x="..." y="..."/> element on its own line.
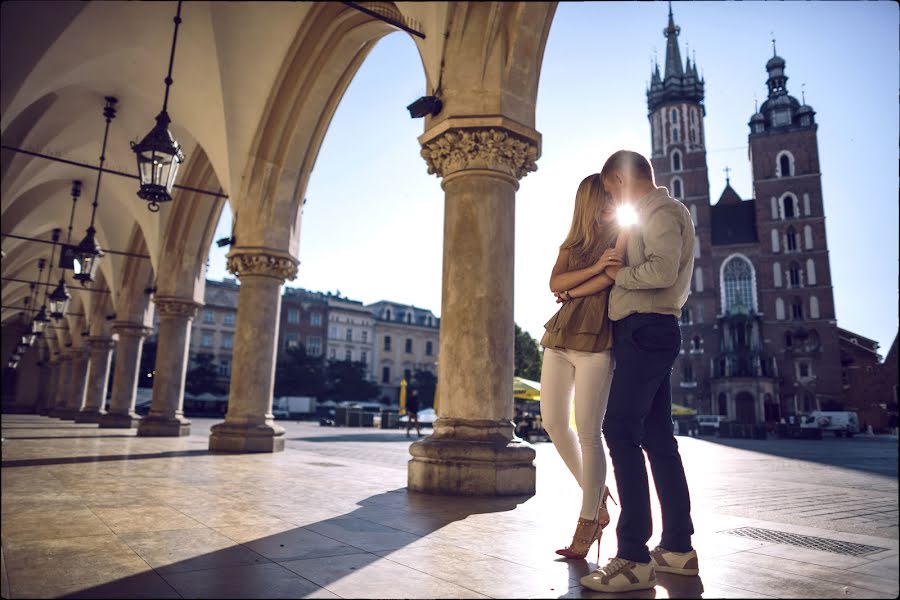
<point x="611" y="272"/>
<point x="560" y="298"/>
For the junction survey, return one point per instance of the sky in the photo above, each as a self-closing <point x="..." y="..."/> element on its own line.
<point x="373" y="222"/>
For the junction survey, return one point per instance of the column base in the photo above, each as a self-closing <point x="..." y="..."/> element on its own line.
<point x="228" y="437"/>
<point x="472" y="458"/>
<point x="112" y="421"/>
<point x="66" y="414"/>
<point x="152" y="426"/>
<point x="89" y="417"/>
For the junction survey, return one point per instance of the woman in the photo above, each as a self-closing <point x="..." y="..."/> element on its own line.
<point x="577" y="353"/>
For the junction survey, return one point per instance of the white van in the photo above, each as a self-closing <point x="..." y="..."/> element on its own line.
<point x="840" y="422"/>
<point x="708" y="422"/>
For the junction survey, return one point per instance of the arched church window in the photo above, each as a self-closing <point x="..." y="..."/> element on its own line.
<point x="791" y="207"/>
<point x="785" y="164"/>
<point x="674" y="115"/>
<point x="738" y="284"/>
<point x="788" y="339"/>
<point x="794" y="275"/>
<point x="791" y="239"/>
<point x="677" y="192"/>
<point x="676" y="160"/>
<point x="797" y="309"/>
<point x="695" y="343"/>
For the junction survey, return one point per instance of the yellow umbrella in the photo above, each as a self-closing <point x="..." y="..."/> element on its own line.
<point x="526" y="389"/>
<point x="402" y="396"/>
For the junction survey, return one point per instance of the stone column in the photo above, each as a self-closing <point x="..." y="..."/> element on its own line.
<point x="81" y="359"/>
<point x="125" y="381"/>
<point x="249" y="425"/>
<point x="473" y="450"/>
<point x="166" y="416"/>
<point x="61" y="391"/>
<point x="98" y="377"/>
<point x="49" y="392"/>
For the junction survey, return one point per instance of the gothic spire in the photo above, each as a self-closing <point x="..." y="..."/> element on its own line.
<point x="674" y="67"/>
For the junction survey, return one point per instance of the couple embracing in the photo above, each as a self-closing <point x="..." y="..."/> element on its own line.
<point x="614" y="341"/>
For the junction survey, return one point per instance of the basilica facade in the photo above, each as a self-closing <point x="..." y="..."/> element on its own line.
<point x="760" y="335"/>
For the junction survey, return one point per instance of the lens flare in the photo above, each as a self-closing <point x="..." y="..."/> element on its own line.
<point x="626" y="215"/>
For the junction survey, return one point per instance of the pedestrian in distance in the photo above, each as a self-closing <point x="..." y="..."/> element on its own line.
<point x="412" y="411"/>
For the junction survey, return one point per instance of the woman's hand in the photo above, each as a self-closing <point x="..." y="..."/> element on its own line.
<point x="610" y="258"/>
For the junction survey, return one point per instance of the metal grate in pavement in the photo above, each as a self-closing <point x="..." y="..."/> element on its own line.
<point x="804" y="541"/>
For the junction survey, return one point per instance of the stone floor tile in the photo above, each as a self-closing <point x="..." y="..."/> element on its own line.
<point x="144" y="585"/>
<point x="363" y="534"/>
<point x="280" y="544"/>
<point x="228" y="515"/>
<point x="842" y="576"/>
<point x="370" y="576"/>
<point x="39" y="524"/>
<point x="887" y="568"/>
<point x="778" y="583"/>
<point x="246" y="581"/>
<point x="38" y="566"/>
<point x="487" y="575"/>
<point x="135" y="519"/>
<point x="189" y="550"/>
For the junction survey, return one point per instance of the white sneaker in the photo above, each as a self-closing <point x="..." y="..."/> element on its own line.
<point x="621" y="575"/>
<point x="680" y="563"/>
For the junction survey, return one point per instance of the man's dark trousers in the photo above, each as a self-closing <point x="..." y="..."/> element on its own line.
<point x="639" y="417"/>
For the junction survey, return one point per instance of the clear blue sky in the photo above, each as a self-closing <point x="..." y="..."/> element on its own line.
<point x="373" y="223"/>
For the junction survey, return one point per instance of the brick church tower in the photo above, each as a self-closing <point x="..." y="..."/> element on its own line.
<point x="760" y="337"/>
<point x="793" y="272"/>
<point x="676" y="112"/>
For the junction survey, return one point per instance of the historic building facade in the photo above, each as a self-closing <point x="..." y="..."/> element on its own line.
<point x="406" y="340"/>
<point x="351" y="332"/>
<point x="304" y="321"/>
<point x="759" y="329"/>
<point x="213" y="328"/>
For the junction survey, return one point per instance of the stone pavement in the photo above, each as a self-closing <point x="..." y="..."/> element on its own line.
<point x="101" y="513"/>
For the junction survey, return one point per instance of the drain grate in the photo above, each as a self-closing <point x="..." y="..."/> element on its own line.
<point x="804" y="541"/>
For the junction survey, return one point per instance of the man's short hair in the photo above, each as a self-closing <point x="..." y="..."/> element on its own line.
<point x="629" y="162"/>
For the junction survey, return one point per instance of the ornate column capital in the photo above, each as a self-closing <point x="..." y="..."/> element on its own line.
<point x="262" y="262"/>
<point x="492" y="143"/>
<point x="100" y="343"/>
<point x="169" y="306"/>
<point x="127" y="329"/>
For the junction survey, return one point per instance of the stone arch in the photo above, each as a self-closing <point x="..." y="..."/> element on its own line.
<point x="784" y="164"/>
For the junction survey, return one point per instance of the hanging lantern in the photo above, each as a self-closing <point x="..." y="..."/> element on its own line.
<point x="40" y="322"/>
<point x="88" y="254"/>
<point x="59" y="300"/>
<point x="158" y="159"/>
<point x="28" y="338"/>
<point x="158" y="154"/>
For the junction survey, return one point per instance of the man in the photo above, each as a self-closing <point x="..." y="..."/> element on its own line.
<point x="645" y="305"/>
<point x="412" y="410"/>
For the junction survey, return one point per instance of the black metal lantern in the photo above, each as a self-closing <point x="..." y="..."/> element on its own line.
<point x="88" y="252"/>
<point x="88" y="255"/>
<point x="59" y="300"/>
<point x="158" y="154"/>
<point x="40" y="320"/>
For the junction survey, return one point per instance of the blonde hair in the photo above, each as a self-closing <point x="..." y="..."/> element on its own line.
<point x="589" y="236"/>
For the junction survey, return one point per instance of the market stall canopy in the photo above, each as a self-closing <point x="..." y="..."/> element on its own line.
<point x="677" y="409"/>
<point x="526" y="389"/>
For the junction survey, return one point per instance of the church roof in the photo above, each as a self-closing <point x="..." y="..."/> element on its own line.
<point x="733" y="221"/>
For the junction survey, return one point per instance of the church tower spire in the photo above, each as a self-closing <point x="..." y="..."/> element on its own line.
<point x="673" y="54"/>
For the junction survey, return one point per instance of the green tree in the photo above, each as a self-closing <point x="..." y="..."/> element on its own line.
<point x="346" y="380"/>
<point x="148" y="364"/>
<point x="528" y="356"/>
<point x="203" y="377"/>
<point x="426" y="383"/>
<point x="299" y="374"/>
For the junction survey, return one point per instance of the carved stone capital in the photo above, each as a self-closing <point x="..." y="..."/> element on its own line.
<point x="263" y="263"/>
<point x="100" y="343"/>
<point x="126" y="329"/>
<point x="494" y="148"/>
<point x="176" y="307"/>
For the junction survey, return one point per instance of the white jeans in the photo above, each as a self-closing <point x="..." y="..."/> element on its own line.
<point x="590" y="373"/>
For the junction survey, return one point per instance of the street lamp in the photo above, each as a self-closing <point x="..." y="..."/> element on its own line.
<point x="88" y="252"/>
<point x="158" y="154"/>
<point x="59" y="298"/>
